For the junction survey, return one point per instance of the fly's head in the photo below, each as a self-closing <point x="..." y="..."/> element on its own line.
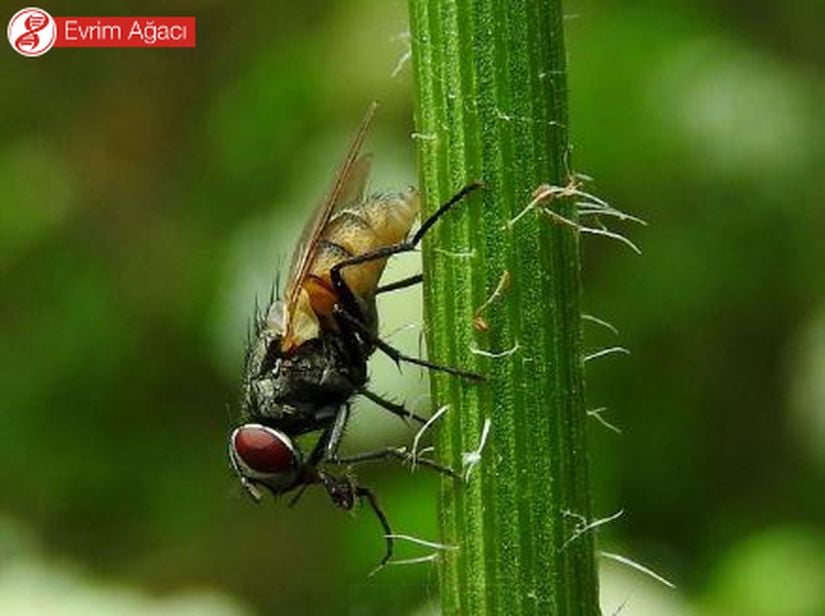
<point x="264" y="457"/>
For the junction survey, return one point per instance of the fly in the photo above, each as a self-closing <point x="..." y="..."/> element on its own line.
<point x="307" y="358"/>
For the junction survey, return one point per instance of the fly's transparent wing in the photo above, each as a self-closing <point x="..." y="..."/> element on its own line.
<point x="348" y="185"/>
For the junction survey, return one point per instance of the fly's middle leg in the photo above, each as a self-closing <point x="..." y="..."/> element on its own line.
<point x="397" y="356"/>
<point x="399" y="410"/>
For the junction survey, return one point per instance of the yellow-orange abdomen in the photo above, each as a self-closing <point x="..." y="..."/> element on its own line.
<point x="377" y="222"/>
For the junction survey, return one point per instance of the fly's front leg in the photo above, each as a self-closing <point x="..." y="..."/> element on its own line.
<point x="343" y="492"/>
<point x="326" y="448"/>
<point x="369" y="496"/>
<point x="337" y="433"/>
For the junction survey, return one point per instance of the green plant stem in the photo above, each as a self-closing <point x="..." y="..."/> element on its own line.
<point x="491" y="105"/>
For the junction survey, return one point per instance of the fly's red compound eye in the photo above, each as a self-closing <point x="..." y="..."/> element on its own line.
<point x="263" y="450"/>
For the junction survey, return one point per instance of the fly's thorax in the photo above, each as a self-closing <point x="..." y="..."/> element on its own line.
<point x="294" y="388"/>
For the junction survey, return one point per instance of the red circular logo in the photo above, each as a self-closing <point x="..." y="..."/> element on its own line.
<point x="32" y="32"/>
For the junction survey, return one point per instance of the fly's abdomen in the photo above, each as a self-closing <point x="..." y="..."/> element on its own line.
<point x="377" y="222"/>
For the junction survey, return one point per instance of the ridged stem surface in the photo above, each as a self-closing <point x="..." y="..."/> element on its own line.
<point x="491" y="105"/>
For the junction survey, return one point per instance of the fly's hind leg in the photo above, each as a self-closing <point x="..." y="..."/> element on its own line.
<point x="399" y="284"/>
<point x="341" y="287"/>
<point x="396" y="453"/>
<point x="326" y="447"/>
<point x="348" y="309"/>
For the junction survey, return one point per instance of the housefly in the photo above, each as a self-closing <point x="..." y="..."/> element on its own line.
<point x="307" y="357"/>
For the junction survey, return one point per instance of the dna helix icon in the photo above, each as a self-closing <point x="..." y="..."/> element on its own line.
<point x="34" y="23"/>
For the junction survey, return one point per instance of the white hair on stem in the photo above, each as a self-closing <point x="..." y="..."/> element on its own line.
<point x="492" y="355"/>
<point x="602" y="322"/>
<point x="593" y="206"/>
<point x="605" y="352"/>
<point x="444" y="547"/>
<point x="467" y="254"/>
<point x="624" y="560"/>
<point x="417" y="438"/>
<point x="597" y="415"/>
<point x="584" y="526"/>
<point x="415" y="561"/>
<point x="471" y="459"/>
<point x="501" y="287"/>
<point x="406" y="54"/>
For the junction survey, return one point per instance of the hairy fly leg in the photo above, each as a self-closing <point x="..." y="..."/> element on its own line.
<point x="326" y="447"/>
<point x="397" y="356"/>
<point x="347" y="313"/>
<point x="399" y="410"/>
<point x="400" y="454"/>
<point x="341" y="288"/>
<point x="343" y="492"/>
<point x="400" y="284"/>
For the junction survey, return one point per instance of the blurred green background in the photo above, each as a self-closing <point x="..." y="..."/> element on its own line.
<point x="147" y="196"/>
